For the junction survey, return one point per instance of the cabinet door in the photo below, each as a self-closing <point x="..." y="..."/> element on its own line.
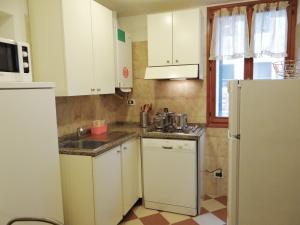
<point x="186" y="37"/>
<point x="130" y="174"/>
<point x="160" y="39"/>
<point x="108" y="187"/>
<point x="78" y="46"/>
<point x="103" y="48"/>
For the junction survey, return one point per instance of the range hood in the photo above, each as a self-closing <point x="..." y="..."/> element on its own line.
<point x="172" y="72"/>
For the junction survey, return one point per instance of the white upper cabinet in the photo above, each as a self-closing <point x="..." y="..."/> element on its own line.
<point x="174" y="38"/>
<point x="78" y="46"/>
<point x="160" y="39"/>
<point x="103" y="48"/>
<point x="72" y="45"/>
<point x="186" y="37"/>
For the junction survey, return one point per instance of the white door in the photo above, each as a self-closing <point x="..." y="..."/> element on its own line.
<point x="130" y="174"/>
<point x="269" y="153"/>
<point x="233" y="150"/>
<point x="233" y="158"/>
<point x="103" y="49"/>
<point x="234" y="107"/>
<point x="160" y="39"/>
<point x="29" y="159"/>
<point x="108" y="187"/>
<point x="78" y="46"/>
<point x="186" y="37"/>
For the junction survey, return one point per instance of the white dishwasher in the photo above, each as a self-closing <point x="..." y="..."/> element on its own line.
<point x="170" y="175"/>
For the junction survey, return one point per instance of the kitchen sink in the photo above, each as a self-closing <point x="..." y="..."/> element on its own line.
<point x="82" y="144"/>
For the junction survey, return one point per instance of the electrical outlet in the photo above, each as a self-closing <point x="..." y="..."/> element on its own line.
<point x="131" y="102"/>
<point x="219" y="174"/>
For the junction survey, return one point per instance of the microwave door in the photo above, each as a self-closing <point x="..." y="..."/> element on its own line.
<point x="9" y="61"/>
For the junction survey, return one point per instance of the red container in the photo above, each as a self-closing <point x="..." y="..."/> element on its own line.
<point x="99" y="130"/>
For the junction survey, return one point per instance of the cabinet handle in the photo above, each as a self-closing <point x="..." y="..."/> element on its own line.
<point x="118" y="151"/>
<point x="124" y="148"/>
<point x="167" y="147"/>
<point x="92" y="89"/>
<point x="177" y="60"/>
<point x="99" y="89"/>
<point x="168" y="61"/>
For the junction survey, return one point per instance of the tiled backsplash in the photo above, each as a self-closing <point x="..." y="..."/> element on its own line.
<point x="179" y="96"/>
<point x="73" y="112"/>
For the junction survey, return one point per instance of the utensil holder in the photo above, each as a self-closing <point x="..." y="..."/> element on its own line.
<point x="144" y="119"/>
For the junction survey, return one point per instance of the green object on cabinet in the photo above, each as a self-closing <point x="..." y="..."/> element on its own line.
<point x="121" y="35"/>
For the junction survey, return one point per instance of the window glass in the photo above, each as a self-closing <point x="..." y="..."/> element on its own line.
<point x="227" y="69"/>
<point x="263" y="68"/>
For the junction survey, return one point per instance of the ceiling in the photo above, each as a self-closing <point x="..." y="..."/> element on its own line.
<point x="138" y="7"/>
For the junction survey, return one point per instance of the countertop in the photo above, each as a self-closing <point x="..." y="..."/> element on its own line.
<point x="121" y="132"/>
<point x="111" y="139"/>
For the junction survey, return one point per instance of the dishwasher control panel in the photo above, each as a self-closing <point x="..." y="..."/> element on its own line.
<point x="169" y="143"/>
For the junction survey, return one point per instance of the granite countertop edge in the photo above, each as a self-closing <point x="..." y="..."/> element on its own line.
<point x="98" y="151"/>
<point x="135" y="131"/>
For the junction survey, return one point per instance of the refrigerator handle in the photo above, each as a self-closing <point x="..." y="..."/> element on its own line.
<point x="233" y="136"/>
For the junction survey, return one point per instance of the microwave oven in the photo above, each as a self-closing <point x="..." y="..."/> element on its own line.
<point x="15" y="63"/>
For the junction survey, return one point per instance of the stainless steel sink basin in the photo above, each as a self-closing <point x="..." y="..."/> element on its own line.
<point x="82" y="144"/>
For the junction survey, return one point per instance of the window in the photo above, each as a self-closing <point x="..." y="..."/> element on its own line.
<point x="230" y="69"/>
<point x="244" y="40"/>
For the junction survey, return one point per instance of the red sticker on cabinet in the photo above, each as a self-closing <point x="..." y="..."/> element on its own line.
<point x="125" y="72"/>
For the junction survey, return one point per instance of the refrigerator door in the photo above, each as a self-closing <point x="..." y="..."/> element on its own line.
<point x="269" y="160"/>
<point x="29" y="159"/>
<point x="234" y="106"/>
<point x="233" y="180"/>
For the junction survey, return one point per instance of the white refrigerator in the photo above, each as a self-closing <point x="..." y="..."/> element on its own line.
<point x="30" y="184"/>
<point x="264" y="152"/>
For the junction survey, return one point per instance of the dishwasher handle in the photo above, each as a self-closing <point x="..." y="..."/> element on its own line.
<point x="167" y="147"/>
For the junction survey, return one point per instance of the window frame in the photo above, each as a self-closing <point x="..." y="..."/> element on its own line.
<point x="222" y="122"/>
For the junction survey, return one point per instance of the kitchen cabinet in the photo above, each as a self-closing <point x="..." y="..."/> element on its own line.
<point x="130" y="173"/>
<point x="103" y="49"/>
<point x="72" y="46"/>
<point x="77" y="189"/>
<point x="100" y="190"/>
<point x="174" y="38"/>
<point x="108" y="187"/>
<point x="160" y="39"/>
<point x="186" y="37"/>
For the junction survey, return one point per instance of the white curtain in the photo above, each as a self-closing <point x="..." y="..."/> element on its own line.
<point x="230" y="36"/>
<point x="269" y="30"/>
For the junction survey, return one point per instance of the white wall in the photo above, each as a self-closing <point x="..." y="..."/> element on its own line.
<point x="14" y="20"/>
<point x="136" y="26"/>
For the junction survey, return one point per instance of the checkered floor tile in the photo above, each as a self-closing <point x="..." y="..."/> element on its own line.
<point x="213" y="212"/>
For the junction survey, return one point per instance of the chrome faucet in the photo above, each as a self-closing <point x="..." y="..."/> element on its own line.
<point x="80" y="132"/>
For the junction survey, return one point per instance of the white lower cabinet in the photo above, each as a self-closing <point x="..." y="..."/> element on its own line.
<point x="130" y="174"/>
<point x="100" y="190"/>
<point x="108" y="187"/>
